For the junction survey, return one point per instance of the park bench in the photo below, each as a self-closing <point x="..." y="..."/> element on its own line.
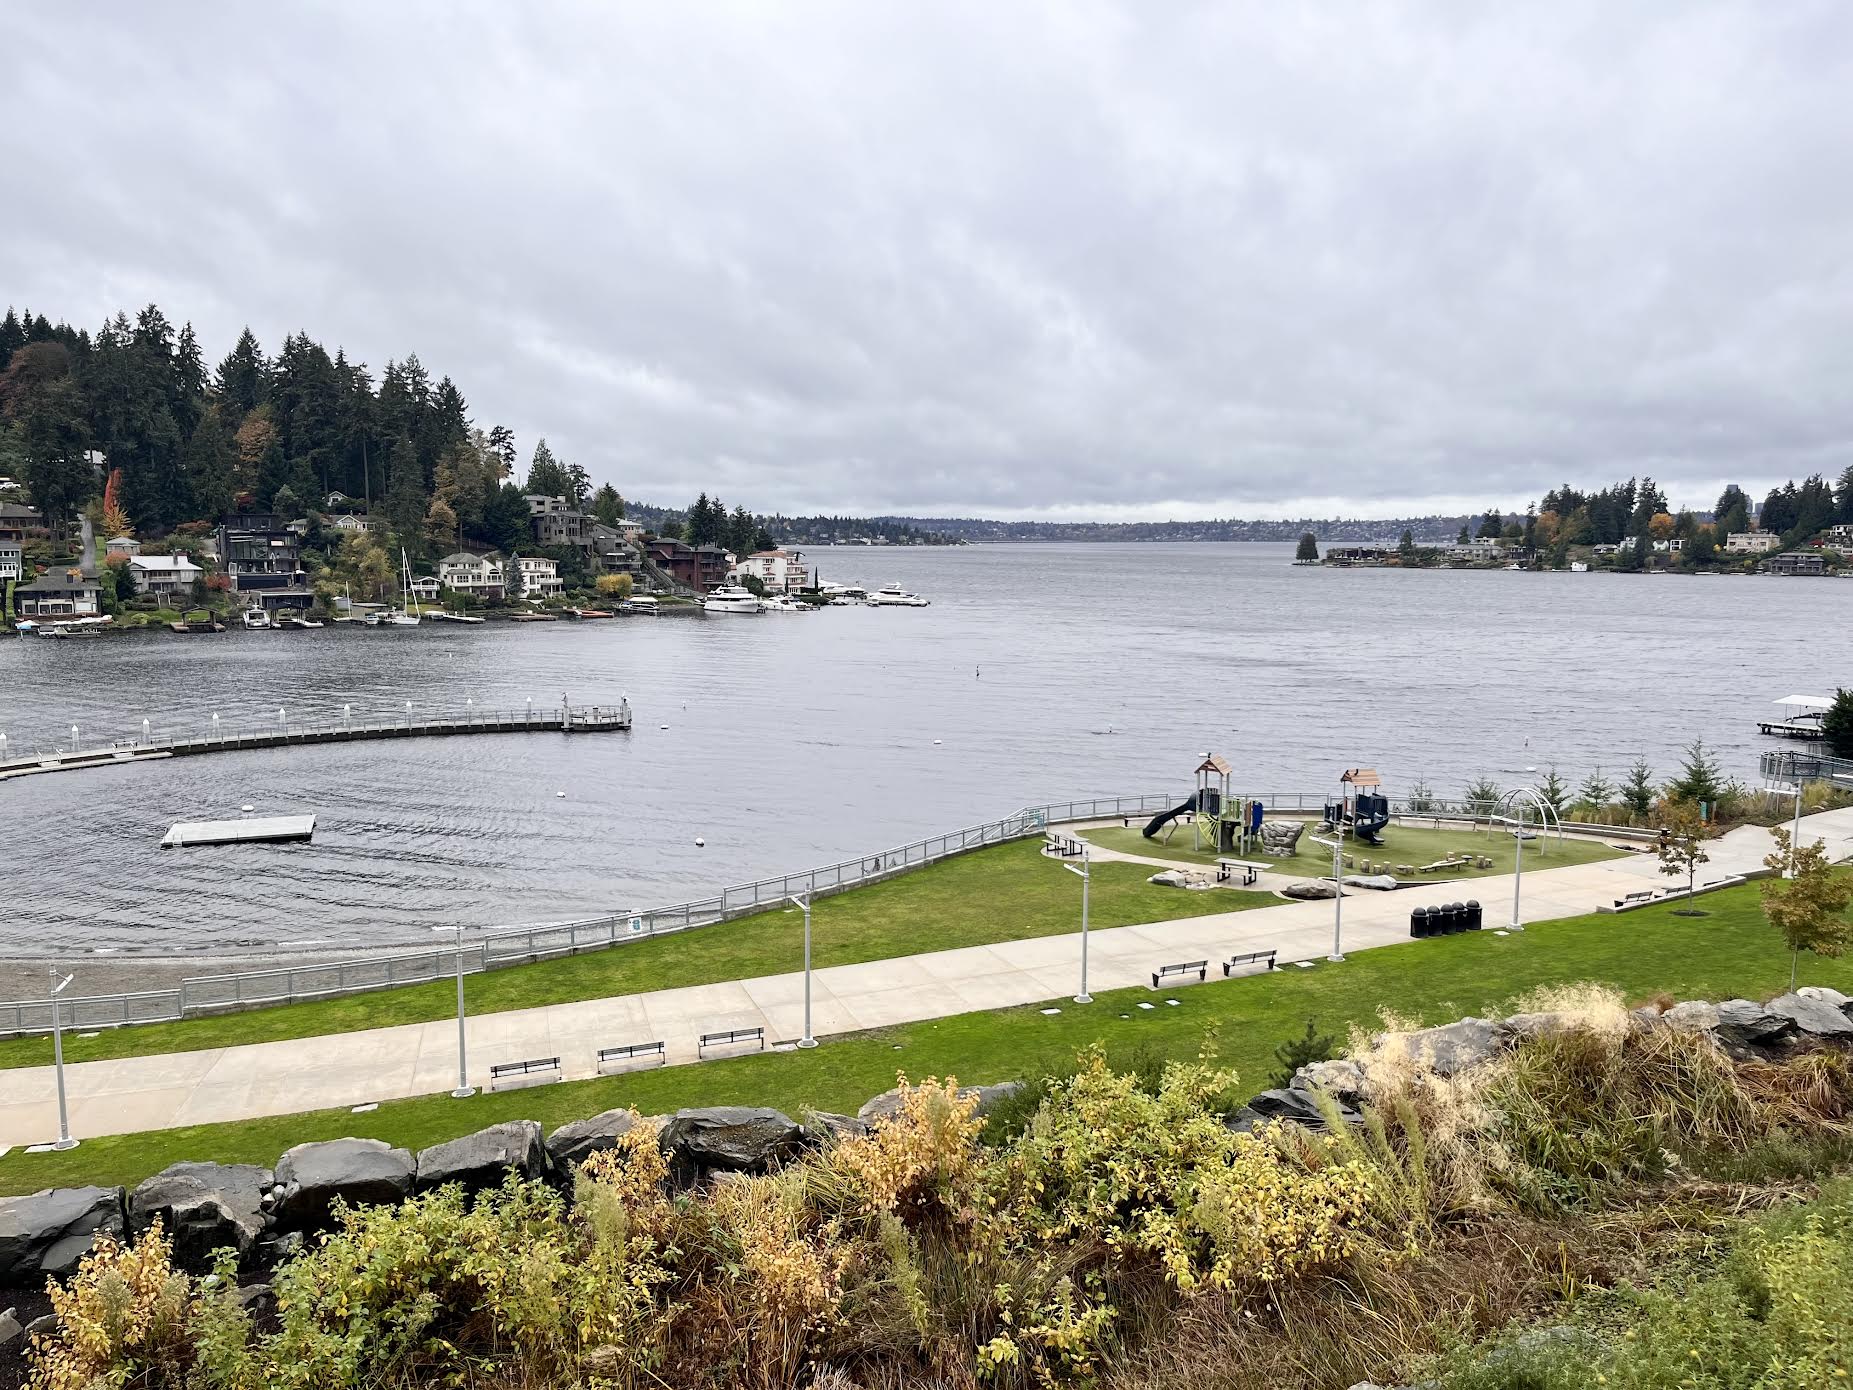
<point x="1265" y="959"/>
<point x="1227" y="869"/>
<point x="629" y="1052"/>
<point x="728" y="1036"/>
<point x="1199" y="968"/>
<point x="1642" y="895"/>
<point x="534" y="1066"/>
<point x="1065" y="846"/>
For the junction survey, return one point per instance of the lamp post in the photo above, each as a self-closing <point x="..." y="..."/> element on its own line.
<point x="1795" y="827"/>
<point x="1338" y="893"/>
<point x="73" y="738"/>
<point x="464" y="1089"/>
<point x="807" y="1040"/>
<point x="145" y="733"/>
<point x="469" y="709"/>
<point x="1085" y="876"/>
<point x="215" y="726"/>
<point x="65" y="1142"/>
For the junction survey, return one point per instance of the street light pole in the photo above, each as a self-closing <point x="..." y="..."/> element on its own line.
<point x="807" y="1041"/>
<point x="1795" y="828"/>
<point x="1086" y="877"/>
<point x="65" y="1142"/>
<point x="464" y="1089"/>
<point x="1338" y="892"/>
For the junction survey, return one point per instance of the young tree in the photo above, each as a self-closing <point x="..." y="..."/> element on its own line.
<point x="1596" y="792"/>
<point x="1296" y="1052"/>
<point x="1809" y="908"/>
<point x="1637" y="792"/>
<point x="1837" y="725"/>
<point x="1309" y="547"/>
<point x="1482" y="792"/>
<point x="1700" y="780"/>
<point x="1682" y="843"/>
<point x="1554" y="791"/>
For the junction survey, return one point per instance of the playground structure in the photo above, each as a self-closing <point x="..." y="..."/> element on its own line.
<point x="1220" y="821"/>
<point x="1366" y="812"/>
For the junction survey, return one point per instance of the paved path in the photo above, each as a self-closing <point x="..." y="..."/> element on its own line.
<point x="231" y="1083"/>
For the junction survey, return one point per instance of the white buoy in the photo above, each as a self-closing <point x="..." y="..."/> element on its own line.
<point x="699" y="842"/>
<point x="936" y="743"/>
<point x="662" y="726"/>
<point x="559" y="793"/>
<point x="247" y="809"/>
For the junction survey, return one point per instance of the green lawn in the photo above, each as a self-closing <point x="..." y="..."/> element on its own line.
<point x="1731" y="951"/>
<point x="1402" y="844"/>
<point x="1004" y="893"/>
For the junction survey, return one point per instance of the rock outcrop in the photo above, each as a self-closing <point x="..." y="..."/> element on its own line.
<point x="572" y="1144"/>
<point x="729" y="1138"/>
<point x="49" y="1232"/>
<point x="204" y="1207"/>
<point x="361" y="1172"/>
<point x="485" y="1158"/>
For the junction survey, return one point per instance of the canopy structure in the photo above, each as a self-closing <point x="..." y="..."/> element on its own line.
<point x="1805" y="702"/>
<point x="1212" y="763"/>
<point x="1361" y="777"/>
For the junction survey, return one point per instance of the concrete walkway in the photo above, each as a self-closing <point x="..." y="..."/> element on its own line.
<point x="232" y="1083"/>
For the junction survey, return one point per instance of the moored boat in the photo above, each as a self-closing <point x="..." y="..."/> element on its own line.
<point x="730" y="598"/>
<point x="894" y="596"/>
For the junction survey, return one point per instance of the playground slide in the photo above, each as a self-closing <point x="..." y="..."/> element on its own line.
<point x="1369" y="816"/>
<point x="1212" y="802"/>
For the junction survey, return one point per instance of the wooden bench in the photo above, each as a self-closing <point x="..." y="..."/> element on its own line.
<point x="1265" y="959"/>
<point x="729" y="1036"/>
<point x="534" y="1066"/>
<point x="1199" y="968"/>
<point x="1227" y="869"/>
<point x="628" y="1052"/>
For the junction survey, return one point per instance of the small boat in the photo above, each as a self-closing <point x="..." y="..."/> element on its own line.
<point x="587" y="613"/>
<point x="640" y="603"/>
<point x="441" y="615"/>
<point x="730" y="598"/>
<point x="1579" y="567"/>
<point x="894" y="596"/>
<point x="782" y="603"/>
<point x="256" y="619"/>
<point x="407" y="613"/>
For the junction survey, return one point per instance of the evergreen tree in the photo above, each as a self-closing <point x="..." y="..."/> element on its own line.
<point x="1406" y="546"/>
<point x="1463" y="537"/>
<point x="12" y="336"/>
<point x="1296" y="1052"/>
<point x="1843" y="497"/>
<point x="505" y="517"/>
<point x="1699" y="779"/>
<point x="1638" y="792"/>
<point x="244" y="377"/>
<point x="211" y="464"/>
<point x="502" y="443"/>
<point x="546" y="476"/>
<point x="578" y="485"/>
<point x="1491" y="525"/>
<point x="1596" y="792"/>
<point x="1308" y="548"/>
<point x="1554" y="791"/>
<point x="1837" y="725"/>
<point x="405" y="493"/>
<point x="607" y="506"/>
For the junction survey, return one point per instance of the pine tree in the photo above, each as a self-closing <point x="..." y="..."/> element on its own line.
<point x="1638" y="793"/>
<point x="1837" y="725"/>
<point x="546" y="476"/>
<point x="607" y="506"/>
<point x="1700" y="780"/>
<point x="211" y="462"/>
<point x="1308" y="548"/>
<point x="1596" y="792"/>
<point x="244" y="377"/>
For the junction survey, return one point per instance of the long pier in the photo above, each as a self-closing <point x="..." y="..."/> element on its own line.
<point x="565" y="719"/>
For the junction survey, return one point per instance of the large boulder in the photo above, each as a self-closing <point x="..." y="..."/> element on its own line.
<point x="10" y="1331"/>
<point x="1311" y="889"/>
<point x="204" y="1207"/>
<point x="1457" y="1047"/>
<point x="1342" y="1079"/>
<point x="1181" y="878"/>
<point x="823" y="1129"/>
<point x="485" y="1158"/>
<point x="729" y="1138"/>
<point x="1293" y="1106"/>
<point x="1826" y="996"/>
<point x="49" y="1232"/>
<point x="1383" y="883"/>
<point x="888" y="1104"/>
<point x="1691" y="1016"/>
<point x="1749" y="1029"/>
<point x="361" y="1172"/>
<point x="1814" y="1018"/>
<point x="1282" y="837"/>
<point x="572" y="1144"/>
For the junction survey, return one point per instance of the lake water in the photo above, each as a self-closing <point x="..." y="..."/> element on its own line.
<point x="1039" y="673"/>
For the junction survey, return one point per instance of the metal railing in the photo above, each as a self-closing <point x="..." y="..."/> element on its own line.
<point x="1788" y="765"/>
<point x="499" y="947"/>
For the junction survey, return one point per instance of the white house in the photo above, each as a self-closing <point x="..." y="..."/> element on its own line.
<point x="162" y="575"/>
<point x="1752" y="542"/>
<point x="12" y="560"/>
<point x="122" y="545"/>
<point x="539" y="576"/>
<point x="353" y="523"/>
<point x="425" y="588"/>
<point x="480" y="575"/>
<point x="781" y="571"/>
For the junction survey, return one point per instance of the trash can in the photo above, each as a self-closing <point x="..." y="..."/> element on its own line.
<point x="1457" y="918"/>
<point x="1418" y="922"/>
<point x="1473" y="914"/>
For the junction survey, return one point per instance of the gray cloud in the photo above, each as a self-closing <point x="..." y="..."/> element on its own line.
<point x="1095" y="259"/>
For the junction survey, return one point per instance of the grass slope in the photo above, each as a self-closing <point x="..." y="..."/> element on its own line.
<point x="1730" y="952"/>
<point x="1402" y="844"/>
<point x="1004" y="893"/>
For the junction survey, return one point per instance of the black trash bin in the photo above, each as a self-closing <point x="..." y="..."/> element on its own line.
<point x="1473" y="914"/>
<point x="1418" y="922"/>
<point x="1457" y="918"/>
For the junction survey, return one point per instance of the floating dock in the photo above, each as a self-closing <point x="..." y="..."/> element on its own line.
<point x="248" y="831"/>
<point x="574" y="719"/>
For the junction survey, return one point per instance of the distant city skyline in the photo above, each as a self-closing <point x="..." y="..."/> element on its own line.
<point x="1106" y="262"/>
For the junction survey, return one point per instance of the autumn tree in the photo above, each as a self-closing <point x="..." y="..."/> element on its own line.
<point x="1809" y="907"/>
<point x="1682" y="843"/>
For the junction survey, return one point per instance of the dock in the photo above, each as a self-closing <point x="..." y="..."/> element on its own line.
<point x="286" y="732"/>
<point x="250" y="830"/>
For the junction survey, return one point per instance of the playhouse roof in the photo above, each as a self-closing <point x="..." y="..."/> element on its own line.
<point x="1212" y="763"/>
<point x="1362" y="777"/>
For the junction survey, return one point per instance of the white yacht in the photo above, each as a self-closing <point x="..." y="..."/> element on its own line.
<point x="256" y="618"/>
<point x="781" y="603"/>
<point x="408" y="612"/>
<point x="638" y="603"/>
<point x="894" y="596"/>
<point x="730" y="598"/>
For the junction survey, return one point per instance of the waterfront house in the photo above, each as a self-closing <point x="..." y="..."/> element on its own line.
<point x="354" y="525"/>
<point x="20" y="524"/>
<point x="556" y="521"/>
<point x="263" y="560"/>
<point x="1796" y="562"/>
<point x="698" y="567"/>
<point x="12" y="560"/>
<point x="122" y="545"/>
<point x="781" y="571"/>
<point x="478" y="575"/>
<point x="613" y="549"/>
<point x="61" y="593"/>
<point x="425" y="588"/>
<point x="1752" y="542"/>
<point x="164" y="576"/>
<point x="539" y="576"/>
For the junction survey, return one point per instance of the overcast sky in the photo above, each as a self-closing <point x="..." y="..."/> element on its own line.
<point x="1076" y="259"/>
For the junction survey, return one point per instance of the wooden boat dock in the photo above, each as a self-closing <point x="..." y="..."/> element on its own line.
<point x="249" y="830"/>
<point x="286" y="732"/>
